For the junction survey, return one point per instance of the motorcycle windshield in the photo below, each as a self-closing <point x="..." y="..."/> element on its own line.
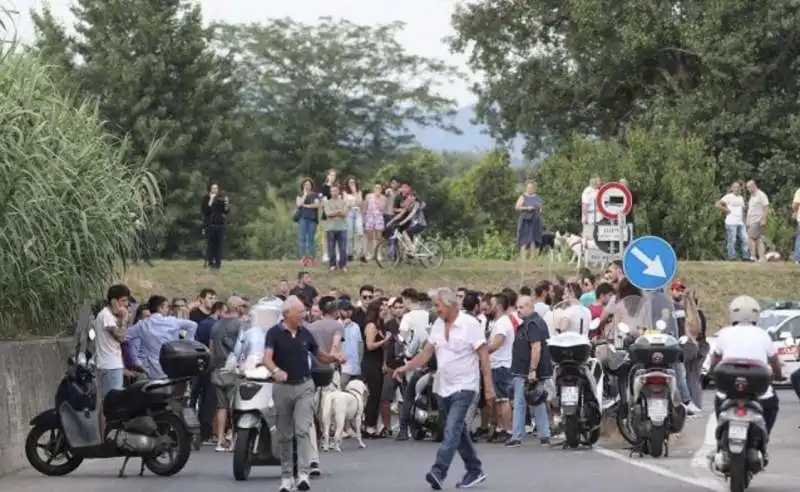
<point x="652" y="312"/>
<point x="570" y="316"/>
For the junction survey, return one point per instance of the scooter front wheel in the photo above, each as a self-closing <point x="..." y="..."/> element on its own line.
<point x="56" y="447"/>
<point x="242" y="454"/>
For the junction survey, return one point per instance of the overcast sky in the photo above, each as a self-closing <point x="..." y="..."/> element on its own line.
<point x="427" y="21"/>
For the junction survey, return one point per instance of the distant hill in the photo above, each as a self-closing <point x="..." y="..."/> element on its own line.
<point x="474" y="138"/>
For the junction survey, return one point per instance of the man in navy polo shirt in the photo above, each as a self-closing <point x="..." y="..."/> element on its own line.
<point x="287" y="347"/>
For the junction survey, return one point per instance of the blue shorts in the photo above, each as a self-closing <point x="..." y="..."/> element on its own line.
<point x="109" y="379"/>
<point x="503" y="380"/>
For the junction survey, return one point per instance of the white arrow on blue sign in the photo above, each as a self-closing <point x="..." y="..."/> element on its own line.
<point x="649" y="263"/>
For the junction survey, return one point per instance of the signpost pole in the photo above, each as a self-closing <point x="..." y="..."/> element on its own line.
<point x="622" y="232"/>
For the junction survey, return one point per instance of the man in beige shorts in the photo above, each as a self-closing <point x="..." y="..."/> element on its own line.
<point x="756" y="221"/>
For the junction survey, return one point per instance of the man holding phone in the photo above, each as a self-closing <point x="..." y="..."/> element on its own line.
<point x="214" y="210"/>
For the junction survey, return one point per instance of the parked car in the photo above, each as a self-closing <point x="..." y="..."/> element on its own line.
<point x="783" y="326"/>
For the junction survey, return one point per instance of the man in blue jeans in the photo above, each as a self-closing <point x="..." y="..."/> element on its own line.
<point x="459" y="343"/>
<point x="530" y="362"/>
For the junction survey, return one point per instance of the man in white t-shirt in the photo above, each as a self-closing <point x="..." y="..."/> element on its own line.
<point x="462" y="359"/>
<point x="110" y="327"/>
<point x="796" y="213"/>
<point x="745" y="340"/>
<point x="589" y="207"/>
<point x="732" y="205"/>
<point x="501" y="341"/>
<point x="414" y="323"/>
<point x="756" y="221"/>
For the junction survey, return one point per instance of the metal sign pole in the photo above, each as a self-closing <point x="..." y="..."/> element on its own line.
<point x="622" y="232"/>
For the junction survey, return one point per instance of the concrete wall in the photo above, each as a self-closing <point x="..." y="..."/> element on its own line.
<point x="29" y="375"/>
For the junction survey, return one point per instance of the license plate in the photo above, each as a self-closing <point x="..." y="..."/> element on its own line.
<point x="657" y="408"/>
<point x="569" y="395"/>
<point x="737" y="432"/>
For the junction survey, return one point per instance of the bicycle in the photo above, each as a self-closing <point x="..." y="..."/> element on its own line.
<point x="427" y="252"/>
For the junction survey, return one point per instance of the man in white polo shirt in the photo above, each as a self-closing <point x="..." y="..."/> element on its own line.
<point x="462" y="356"/>
<point x="796" y="213"/>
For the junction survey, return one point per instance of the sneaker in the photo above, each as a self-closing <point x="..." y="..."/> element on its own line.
<point x="303" y="482"/>
<point x="436" y="482"/>
<point x="545" y="441"/>
<point x="471" y="480"/>
<point x="502" y="436"/>
<point x="314" y="470"/>
<point x="287" y="484"/>
<point x="692" y="408"/>
<point x="402" y="435"/>
<point x="513" y="443"/>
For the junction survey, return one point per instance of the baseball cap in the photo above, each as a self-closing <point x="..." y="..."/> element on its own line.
<point x="677" y="284"/>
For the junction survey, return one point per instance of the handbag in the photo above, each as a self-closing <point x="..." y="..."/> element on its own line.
<point x="296" y="215"/>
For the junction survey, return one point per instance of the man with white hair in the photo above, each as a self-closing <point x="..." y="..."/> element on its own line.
<point x="459" y="343"/>
<point x="287" y="347"/>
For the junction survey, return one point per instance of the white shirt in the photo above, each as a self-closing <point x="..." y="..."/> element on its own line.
<point x="796" y="199"/>
<point x="746" y="342"/>
<point x="502" y="356"/>
<point x="757" y="207"/>
<point x="458" y="367"/>
<point x="108" y="350"/>
<point x="735" y="204"/>
<point x="414" y="330"/>
<point x="589" y="203"/>
<point x="541" y="309"/>
<point x="579" y="319"/>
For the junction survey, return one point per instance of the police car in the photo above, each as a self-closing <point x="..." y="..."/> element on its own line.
<point x="782" y="322"/>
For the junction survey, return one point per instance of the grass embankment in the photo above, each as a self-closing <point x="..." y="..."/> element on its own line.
<point x="715" y="282"/>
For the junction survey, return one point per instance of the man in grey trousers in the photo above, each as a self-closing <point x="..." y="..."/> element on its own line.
<point x="286" y="355"/>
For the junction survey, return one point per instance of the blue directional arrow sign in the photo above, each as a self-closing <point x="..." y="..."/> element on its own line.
<point x="649" y="263"/>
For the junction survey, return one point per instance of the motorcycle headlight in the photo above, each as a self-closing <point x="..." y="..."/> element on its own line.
<point x="420" y="415"/>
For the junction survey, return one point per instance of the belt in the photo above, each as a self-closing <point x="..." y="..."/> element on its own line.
<point x="296" y="382"/>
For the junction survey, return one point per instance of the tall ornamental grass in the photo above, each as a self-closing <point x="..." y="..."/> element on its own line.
<point x="68" y="201"/>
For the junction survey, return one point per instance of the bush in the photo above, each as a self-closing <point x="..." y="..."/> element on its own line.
<point x="69" y="202"/>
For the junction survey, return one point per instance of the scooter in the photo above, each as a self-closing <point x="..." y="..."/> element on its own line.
<point x="741" y="432"/>
<point x="139" y="420"/>
<point x="579" y="382"/>
<point x="254" y="420"/>
<point x="426" y="416"/>
<point x="655" y="405"/>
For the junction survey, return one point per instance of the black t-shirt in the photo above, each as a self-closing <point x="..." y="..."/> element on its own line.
<point x="360" y="318"/>
<point x="198" y="315"/>
<point x="306" y="293"/>
<point x="532" y="329"/>
<point x="290" y="353"/>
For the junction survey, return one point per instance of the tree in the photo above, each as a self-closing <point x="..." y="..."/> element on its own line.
<point x="156" y="80"/>
<point x="488" y="191"/>
<point x="70" y="199"/>
<point x="672" y="174"/>
<point x="333" y="95"/>
<point x="554" y="68"/>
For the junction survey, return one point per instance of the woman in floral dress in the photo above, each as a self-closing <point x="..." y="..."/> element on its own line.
<point x="373" y="218"/>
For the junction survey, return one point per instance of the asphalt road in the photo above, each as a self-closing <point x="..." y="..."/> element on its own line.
<point x="391" y="466"/>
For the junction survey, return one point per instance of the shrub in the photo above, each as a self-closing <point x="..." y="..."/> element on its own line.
<point x="69" y="201"/>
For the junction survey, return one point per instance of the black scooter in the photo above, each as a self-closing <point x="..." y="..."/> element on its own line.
<point x="426" y="416"/>
<point x="140" y="420"/>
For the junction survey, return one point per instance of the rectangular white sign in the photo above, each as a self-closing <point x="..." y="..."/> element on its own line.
<point x="611" y="232"/>
<point x="598" y="257"/>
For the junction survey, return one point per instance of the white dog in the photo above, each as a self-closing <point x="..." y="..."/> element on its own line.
<point x="339" y="407"/>
<point x="576" y="245"/>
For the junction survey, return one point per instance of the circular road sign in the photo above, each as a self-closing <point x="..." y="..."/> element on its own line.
<point x="614" y="199"/>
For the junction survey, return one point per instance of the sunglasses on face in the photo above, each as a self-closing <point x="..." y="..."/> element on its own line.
<point x="367" y="297"/>
<point x="178" y="306"/>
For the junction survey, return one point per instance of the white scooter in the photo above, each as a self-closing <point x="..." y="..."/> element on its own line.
<point x="254" y="423"/>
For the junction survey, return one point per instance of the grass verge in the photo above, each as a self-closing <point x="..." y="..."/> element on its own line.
<point x="715" y="282"/>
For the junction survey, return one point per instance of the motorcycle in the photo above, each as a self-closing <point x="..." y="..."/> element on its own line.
<point x="579" y="378"/>
<point x="426" y="417"/>
<point x="653" y="403"/>
<point x="254" y="420"/>
<point x="140" y="420"/>
<point x="741" y="432"/>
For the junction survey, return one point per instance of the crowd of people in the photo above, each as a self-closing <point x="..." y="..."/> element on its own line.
<point x="354" y="221"/>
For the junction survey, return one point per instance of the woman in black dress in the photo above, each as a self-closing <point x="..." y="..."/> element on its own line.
<point x="376" y="338"/>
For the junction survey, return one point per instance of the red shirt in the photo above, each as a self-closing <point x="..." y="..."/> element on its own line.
<point x="597" y="311"/>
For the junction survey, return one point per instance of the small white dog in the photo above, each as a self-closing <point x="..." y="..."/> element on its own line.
<point x="339" y="407"/>
<point x="576" y="245"/>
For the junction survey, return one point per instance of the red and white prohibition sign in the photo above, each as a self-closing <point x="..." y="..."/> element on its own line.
<point x="614" y="199"/>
